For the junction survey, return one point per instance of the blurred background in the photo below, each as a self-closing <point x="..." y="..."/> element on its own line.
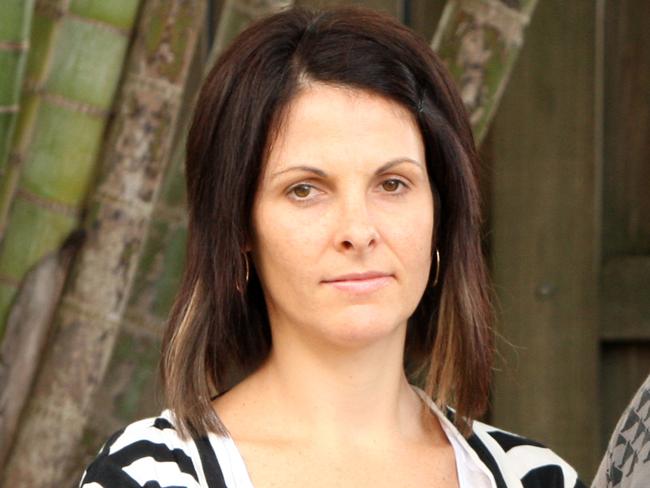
<point x="94" y="102"/>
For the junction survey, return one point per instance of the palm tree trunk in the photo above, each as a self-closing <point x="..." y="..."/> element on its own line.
<point x="96" y="294"/>
<point x="16" y="18"/>
<point x="23" y="344"/>
<point x="479" y="41"/>
<point x="136" y="353"/>
<point x="59" y="131"/>
<point x="61" y="116"/>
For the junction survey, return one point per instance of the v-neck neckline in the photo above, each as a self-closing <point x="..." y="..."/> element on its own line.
<point x="236" y="474"/>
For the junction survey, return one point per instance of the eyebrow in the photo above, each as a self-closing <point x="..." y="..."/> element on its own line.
<point x="323" y="174"/>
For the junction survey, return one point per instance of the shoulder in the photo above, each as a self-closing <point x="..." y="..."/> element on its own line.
<point x="145" y="452"/>
<point x="626" y="462"/>
<point x="515" y="460"/>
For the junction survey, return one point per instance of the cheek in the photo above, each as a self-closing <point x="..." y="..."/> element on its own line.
<point x="423" y="225"/>
<point x="413" y="227"/>
<point x="411" y="237"/>
<point x="289" y="244"/>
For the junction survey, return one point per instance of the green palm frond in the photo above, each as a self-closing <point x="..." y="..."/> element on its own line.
<point x="77" y="52"/>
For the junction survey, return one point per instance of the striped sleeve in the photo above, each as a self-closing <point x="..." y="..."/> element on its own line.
<point x="146" y="453"/>
<point x="524" y="462"/>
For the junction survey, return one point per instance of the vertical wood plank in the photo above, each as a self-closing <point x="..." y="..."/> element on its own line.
<point x="545" y="237"/>
<point x="624" y="367"/>
<point x="626" y="225"/>
<point x="625" y="286"/>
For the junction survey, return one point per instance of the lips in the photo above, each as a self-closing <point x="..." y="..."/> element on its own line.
<point x="360" y="283"/>
<point x="368" y="275"/>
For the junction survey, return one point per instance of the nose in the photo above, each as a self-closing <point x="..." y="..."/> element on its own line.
<point x="356" y="231"/>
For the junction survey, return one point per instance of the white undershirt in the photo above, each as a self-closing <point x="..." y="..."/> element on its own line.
<point x="472" y="472"/>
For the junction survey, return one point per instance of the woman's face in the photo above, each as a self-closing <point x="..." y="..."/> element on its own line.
<point x="344" y="191"/>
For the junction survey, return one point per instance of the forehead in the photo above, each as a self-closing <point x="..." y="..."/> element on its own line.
<point x="325" y="124"/>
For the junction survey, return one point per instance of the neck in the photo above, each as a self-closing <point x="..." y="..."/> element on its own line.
<point x="328" y="392"/>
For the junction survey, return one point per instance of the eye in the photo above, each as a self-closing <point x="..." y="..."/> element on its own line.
<point x="392" y="185"/>
<point x="301" y="191"/>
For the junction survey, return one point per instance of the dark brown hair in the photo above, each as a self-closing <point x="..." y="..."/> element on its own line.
<point x="217" y="335"/>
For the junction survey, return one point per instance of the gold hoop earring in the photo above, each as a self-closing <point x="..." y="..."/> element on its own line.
<point x="435" y="280"/>
<point x="239" y="289"/>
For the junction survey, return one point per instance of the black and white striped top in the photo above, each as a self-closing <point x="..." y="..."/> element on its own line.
<point x="148" y="453"/>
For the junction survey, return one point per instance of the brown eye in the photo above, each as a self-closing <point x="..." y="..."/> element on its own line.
<point x="391" y="185"/>
<point x="301" y="191"/>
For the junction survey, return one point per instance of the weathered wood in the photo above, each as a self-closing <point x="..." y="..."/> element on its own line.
<point x="626" y="173"/>
<point x="480" y="41"/>
<point x="625" y="277"/>
<point x="624" y="368"/>
<point x="96" y="295"/>
<point x="625" y="299"/>
<point x="545" y="237"/>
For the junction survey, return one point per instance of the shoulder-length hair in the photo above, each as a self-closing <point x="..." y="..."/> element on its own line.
<point x="217" y="335"/>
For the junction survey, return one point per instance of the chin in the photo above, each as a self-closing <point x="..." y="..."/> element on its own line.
<point x="362" y="328"/>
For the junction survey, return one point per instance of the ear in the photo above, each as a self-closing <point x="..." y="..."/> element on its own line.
<point x="248" y="247"/>
<point x="249" y="239"/>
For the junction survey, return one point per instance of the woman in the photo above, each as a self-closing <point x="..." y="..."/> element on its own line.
<point x="334" y="260"/>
